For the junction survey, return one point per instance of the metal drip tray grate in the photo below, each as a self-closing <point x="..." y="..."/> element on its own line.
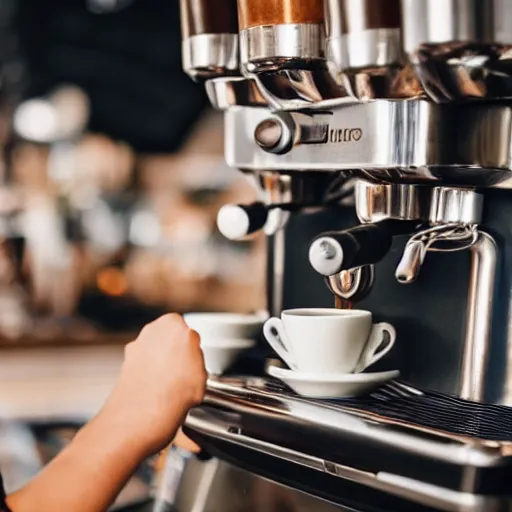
<point x="422" y="408"/>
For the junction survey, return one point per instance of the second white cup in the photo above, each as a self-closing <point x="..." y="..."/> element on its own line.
<point x="224" y="337"/>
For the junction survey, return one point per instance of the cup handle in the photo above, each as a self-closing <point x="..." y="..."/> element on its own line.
<point x="274" y="333"/>
<point x="378" y="346"/>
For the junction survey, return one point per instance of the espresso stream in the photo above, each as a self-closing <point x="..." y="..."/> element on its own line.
<point x="340" y="303"/>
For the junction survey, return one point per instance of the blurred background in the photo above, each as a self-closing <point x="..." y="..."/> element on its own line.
<point x="111" y="175"/>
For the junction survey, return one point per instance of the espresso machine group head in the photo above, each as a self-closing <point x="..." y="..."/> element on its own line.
<point x="403" y="110"/>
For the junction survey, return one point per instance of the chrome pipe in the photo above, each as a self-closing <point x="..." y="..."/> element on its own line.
<point x="275" y="272"/>
<point x="477" y="339"/>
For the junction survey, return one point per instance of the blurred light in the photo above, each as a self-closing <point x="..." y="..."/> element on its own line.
<point x="145" y="229"/>
<point x="36" y="120"/>
<point x="112" y="281"/>
<point x="104" y="229"/>
<point x="61" y="115"/>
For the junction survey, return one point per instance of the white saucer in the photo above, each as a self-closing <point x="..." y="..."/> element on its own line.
<point x="316" y="385"/>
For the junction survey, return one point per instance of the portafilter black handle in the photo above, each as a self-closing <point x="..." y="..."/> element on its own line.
<point x="335" y="251"/>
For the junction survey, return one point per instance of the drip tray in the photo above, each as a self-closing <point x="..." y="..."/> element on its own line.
<point x="435" y="450"/>
<point x="424" y="409"/>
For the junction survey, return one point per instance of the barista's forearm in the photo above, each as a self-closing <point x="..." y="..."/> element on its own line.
<point x="162" y="376"/>
<point x="89" y="473"/>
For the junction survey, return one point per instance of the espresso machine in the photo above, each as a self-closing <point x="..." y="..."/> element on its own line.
<point x="379" y="134"/>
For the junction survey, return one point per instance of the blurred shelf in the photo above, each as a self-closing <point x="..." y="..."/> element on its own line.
<point x="98" y="339"/>
<point x="46" y="383"/>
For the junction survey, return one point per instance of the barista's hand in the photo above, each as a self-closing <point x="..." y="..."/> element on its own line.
<point x="162" y="377"/>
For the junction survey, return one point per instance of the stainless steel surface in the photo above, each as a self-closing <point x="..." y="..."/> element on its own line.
<point x="205" y="486"/>
<point x="232" y="405"/>
<point x="170" y="481"/>
<point x="376" y="202"/>
<point x="382" y="83"/>
<point x="225" y="92"/>
<point x="271" y="47"/>
<point x="477" y="339"/>
<point x="235" y="490"/>
<point x="364" y="48"/>
<point x="452" y="205"/>
<point x="363" y="34"/>
<point x="198" y="485"/>
<point x="373" y="48"/>
<point x="250" y="395"/>
<point x="391" y="141"/>
<point x="461" y="48"/>
<point x="414" y="490"/>
<point x="304" y="189"/>
<point x="287" y="62"/>
<point x="294" y="88"/>
<point x="443" y="21"/>
<point x="210" y="55"/>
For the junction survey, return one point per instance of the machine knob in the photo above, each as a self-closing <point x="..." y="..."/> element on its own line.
<point x="237" y="221"/>
<point x="333" y="252"/>
<point x="276" y="134"/>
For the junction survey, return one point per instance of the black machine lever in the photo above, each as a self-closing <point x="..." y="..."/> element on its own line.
<point x="332" y="252"/>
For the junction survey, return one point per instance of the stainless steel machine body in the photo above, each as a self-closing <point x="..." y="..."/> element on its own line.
<point x="401" y="109"/>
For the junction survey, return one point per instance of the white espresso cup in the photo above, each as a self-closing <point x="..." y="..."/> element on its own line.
<point x="333" y="341"/>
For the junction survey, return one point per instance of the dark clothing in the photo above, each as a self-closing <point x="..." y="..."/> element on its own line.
<point x="3" y="506"/>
